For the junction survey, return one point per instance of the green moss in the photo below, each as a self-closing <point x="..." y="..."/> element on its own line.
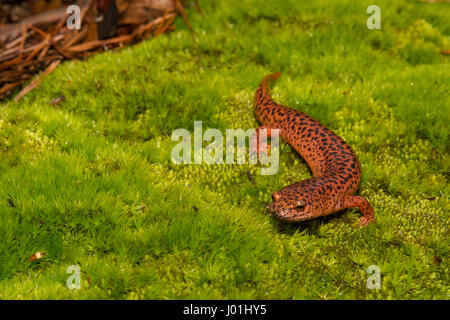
<point x="421" y="43"/>
<point x="90" y="182"/>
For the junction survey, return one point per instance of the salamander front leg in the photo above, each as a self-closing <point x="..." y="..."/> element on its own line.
<point x="364" y="206"/>
<point x="256" y="146"/>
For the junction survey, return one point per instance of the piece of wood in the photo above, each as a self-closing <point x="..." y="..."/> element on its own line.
<point x="12" y="31"/>
<point x="9" y="86"/>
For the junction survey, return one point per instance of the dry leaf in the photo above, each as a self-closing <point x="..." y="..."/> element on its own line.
<point x="58" y="100"/>
<point x="36" y="256"/>
<point x="437" y="260"/>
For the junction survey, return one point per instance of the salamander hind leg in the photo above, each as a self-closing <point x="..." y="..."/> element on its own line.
<point x="364" y="206"/>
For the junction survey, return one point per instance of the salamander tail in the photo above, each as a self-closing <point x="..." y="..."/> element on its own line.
<point x="263" y="92"/>
<point x="267" y="82"/>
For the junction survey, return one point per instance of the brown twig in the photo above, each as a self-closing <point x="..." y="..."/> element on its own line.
<point x="180" y="9"/>
<point x="197" y="6"/>
<point x="164" y="26"/>
<point x="36" y="82"/>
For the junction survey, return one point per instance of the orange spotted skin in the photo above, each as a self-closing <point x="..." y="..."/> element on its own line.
<point x="335" y="166"/>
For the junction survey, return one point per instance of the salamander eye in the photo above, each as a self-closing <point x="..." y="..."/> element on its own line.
<point x="300" y="206"/>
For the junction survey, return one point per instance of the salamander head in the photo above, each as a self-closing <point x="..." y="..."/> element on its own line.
<point x="295" y="203"/>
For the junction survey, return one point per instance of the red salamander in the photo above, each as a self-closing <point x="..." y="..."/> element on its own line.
<point x="335" y="166"/>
